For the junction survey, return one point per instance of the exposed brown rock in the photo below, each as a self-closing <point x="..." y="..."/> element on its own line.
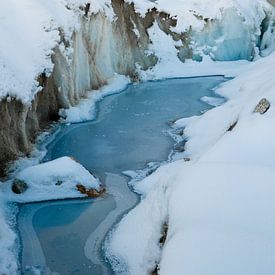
<point x="91" y="193"/>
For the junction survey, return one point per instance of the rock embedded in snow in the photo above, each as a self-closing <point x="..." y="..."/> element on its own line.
<point x="56" y="179"/>
<point x="232" y="126"/>
<point x="262" y="106"/>
<point x="19" y="186"/>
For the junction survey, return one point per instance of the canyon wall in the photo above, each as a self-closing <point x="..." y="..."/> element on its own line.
<point x="102" y="47"/>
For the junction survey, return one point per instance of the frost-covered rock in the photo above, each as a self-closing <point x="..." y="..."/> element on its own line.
<point x="55" y="179"/>
<point x="262" y="107"/>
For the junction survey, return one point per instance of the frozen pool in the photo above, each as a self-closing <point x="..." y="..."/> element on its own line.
<point x="130" y="131"/>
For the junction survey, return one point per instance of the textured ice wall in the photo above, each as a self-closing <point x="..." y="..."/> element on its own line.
<point x="227" y="39"/>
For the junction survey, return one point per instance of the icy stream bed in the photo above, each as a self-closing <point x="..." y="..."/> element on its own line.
<point x="130" y="131"/>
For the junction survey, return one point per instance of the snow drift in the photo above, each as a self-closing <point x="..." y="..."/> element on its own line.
<point x="66" y="48"/>
<point x="219" y="206"/>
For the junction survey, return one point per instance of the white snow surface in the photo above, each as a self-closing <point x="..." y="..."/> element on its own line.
<point x="56" y="179"/>
<point x="220" y="206"/>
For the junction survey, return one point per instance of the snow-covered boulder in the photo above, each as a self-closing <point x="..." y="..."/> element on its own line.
<point x="57" y="179"/>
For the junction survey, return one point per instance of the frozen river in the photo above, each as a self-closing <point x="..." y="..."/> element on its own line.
<point x="130" y="131"/>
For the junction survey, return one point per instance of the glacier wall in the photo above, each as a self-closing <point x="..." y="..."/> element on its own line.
<point x="103" y="45"/>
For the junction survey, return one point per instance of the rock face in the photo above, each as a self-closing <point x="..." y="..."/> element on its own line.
<point x="19" y="186"/>
<point x="262" y="106"/>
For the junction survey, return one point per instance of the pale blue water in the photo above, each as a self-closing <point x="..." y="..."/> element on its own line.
<point x="129" y="132"/>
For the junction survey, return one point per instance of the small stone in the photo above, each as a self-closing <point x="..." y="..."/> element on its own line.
<point x="92" y="193"/>
<point x="19" y="186"/>
<point x="81" y="188"/>
<point x="262" y="106"/>
<point x="135" y="77"/>
<point x="232" y="126"/>
<point x="59" y="182"/>
<point x="187" y="159"/>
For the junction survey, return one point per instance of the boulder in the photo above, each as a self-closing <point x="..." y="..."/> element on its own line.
<point x="19" y="186"/>
<point x="262" y="107"/>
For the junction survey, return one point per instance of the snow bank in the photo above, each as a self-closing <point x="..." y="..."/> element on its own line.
<point x="219" y="207"/>
<point x="213" y="101"/>
<point x="55" y="179"/>
<point x="8" y="260"/>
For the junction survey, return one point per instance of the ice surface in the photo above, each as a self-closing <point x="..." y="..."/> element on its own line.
<point x="138" y="116"/>
<point x="8" y="258"/>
